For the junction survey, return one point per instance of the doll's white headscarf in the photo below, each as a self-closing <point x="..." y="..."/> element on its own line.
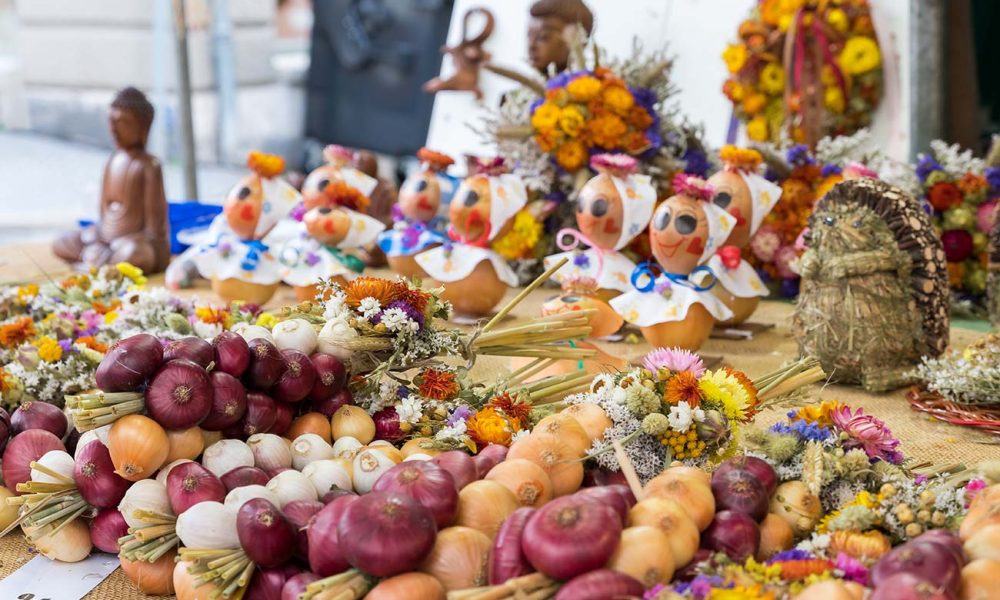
<point x="638" y="197"/>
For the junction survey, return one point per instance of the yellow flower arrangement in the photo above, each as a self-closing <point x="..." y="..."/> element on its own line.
<point x="49" y="349"/>
<point x="833" y="99"/>
<point x="725" y="389"/>
<point x="522" y="238"/>
<point x="735" y="56"/>
<point x="618" y="99"/>
<point x="860" y="55"/>
<point x="757" y="129"/>
<point x="132" y="272"/>
<point x="772" y="79"/>
<point x="266" y="320"/>
<point x="571" y="121"/>
<point x="110" y="317"/>
<point x="571" y="155"/>
<point x="546" y="117"/>
<point x="584" y="89"/>
<point x="490" y="426"/>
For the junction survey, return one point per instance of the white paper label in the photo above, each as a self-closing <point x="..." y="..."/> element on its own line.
<point x="44" y="579"/>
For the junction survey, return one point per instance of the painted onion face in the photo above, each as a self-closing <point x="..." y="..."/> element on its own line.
<point x="604" y="322"/>
<point x="733" y="196"/>
<point x="469" y="210"/>
<point x="315" y="183"/>
<point x="328" y="225"/>
<point x="678" y="233"/>
<point x="600" y="212"/>
<point x="420" y="196"/>
<point x="243" y="206"/>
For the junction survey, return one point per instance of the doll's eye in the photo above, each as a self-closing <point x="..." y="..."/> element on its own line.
<point x="471" y="197"/>
<point x="685" y="224"/>
<point x="421" y="185"/>
<point x="599" y="208"/>
<point x="322" y="184"/>
<point x="829" y="221"/>
<point x="243" y="193"/>
<point x="325" y="210"/>
<point x="661" y="220"/>
<point x="570" y="299"/>
<point x="722" y="199"/>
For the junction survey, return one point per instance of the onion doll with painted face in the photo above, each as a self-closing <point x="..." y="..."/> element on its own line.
<point x="336" y="222"/>
<point x="747" y="196"/>
<point x="420" y="220"/>
<point x="474" y="275"/>
<point x="238" y="255"/>
<point x="666" y="303"/>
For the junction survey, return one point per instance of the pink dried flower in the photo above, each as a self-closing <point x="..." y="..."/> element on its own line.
<point x="690" y="185"/>
<point x="490" y="167"/>
<point x="972" y="490"/>
<point x="765" y="243"/>
<point x="337" y="154"/>
<point x="617" y="165"/>
<point x="675" y="359"/>
<point x="868" y="433"/>
<point x="856" y="170"/>
<point x="852" y="568"/>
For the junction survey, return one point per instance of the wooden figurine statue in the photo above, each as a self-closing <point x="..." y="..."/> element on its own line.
<point x="748" y="197"/>
<point x="420" y="221"/>
<point x="466" y="57"/>
<point x="474" y="275"/>
<point x="547" y="31"/>
<point x="133" y="225"/>
<point x="671" y="302"/>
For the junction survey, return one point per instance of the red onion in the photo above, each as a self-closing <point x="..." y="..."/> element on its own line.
<point x="297" y="380"/>
<point x="193" y="349"/>
<point x="335" y="493"/>
<point x="760" y="469"/>
<point x="331" y="377"/>
<point x="600" y="585"/>
<point x="71" y="440"/>
<point x="909" y="586"/>
<point x="268" y="583"/>
<point x="261" y="413"/>
<point x="427" y="483"/>
<point x="330" y="405"/>
<point x="387" y="425"/>
<point x="553" y="539"/>
<point x="38" y="415"/>
<point x="190" y="483"/>
<point x="276" y="471"/>
<point x="734" y="533"/>
<point x="5" y="428"/>
<point x="106" y="528"/>
<point x="180" y="395"/>
<point x="507" y="559"/>
<point x="232" y="355"/>
<point x="283" y="415"/>
<point x="610" y="496"/>
<point x="266" y="365"/>
<point x="596" y="476"/>
<point x="487" y="458"/>
<point x="927" y="559"/>
<point x="947" y="538"/>
<point x="129" y="363"/>
<point x="460" y="465"/>
<point x="22" y="451"/>
<point x="95" y="477"/>
<point x="739" y="490"/>
<point x="229" y="402"/>
<point x="386" y="533"/>
<point x="326" y="557"/>
<point x="296" y="586"/>
<point x="265" y="534"/>
<point x="300" y="513"/>
<point x="235" y="431"/>
<point x="242" y="476"/>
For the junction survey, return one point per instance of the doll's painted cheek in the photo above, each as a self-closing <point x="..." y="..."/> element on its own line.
<point x="247" y="212"/>
<point x="696" y="247"/>
<point x="611" y="227"/>
<point x="738" y="214"/>
<point x="328" y="227"/>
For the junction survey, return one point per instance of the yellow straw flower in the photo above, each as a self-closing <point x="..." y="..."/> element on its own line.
<point x="735" y="56"/>
<point x="545" y="117"/>
<point x="837" y="19"/>
<point x="110" y="317"/>
<point x="522" y="237"/>
<point x="584" y="89"/>
<point x="571" y="121"/>
<point x="860" y="55"/>
<point x="571" y="155"/>
<point x="618" y="99"/>
<point x="49" y="349"/>
<point x="772" y="79"/>
<point x="132" y="272"/>
<point x="757" y="129"/>
<point x="833" y="99"/>
<point x="266" y="320"/>
<point x="721" y="387"/>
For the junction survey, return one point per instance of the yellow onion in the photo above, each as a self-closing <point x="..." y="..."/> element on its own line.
<point x="984" y="543"/>
<point x="312" y="422"/>
<point x="644" y="553"/>
<point x="408" y="586"/>
<point x="591" y="418"/>
<point x="984" y="509"/>
<point x="210" y="437"/>
<point x="184" y="443"/>
<point x="690" y="491"/>
<point x="184" y="584"/>
<point x="794" y="503"/>
<point x="459" y="558"/>
<point x="156" y="578"/>
<point x="483" y="505"/>
<point x="388" y="449"/>
<point x="526" y="480"/>
<point x="670" y="518"/>
<point x="776" y="535"/>
<point x="979" y="580"/>
<point x="830" y="589"/>
<point x="566" y="428"/>
<point x="870" y="545"/>
<point x="138" y="447"/>
<point x="70" y="544"/>
<point x="352" y="421"/>
<point x="413" y="446"/>
<point x="556" y="457"/>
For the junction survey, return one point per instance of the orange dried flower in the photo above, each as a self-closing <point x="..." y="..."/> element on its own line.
<point x="16" y="333"/>
<point x="511" y="407"/>
<point x="490" y="426"/>
<point x="383" y="290"/>
<point x="743" y="159"/>
<point x="683" y="387"/>
<point x="794" y="570"/>
<point x="338" y="193"/>
<point x="437" y="384"/>
<point x="92" y="343"/>
<point x="639" y="117"/>
<point x="437" y="161"/>
<point x="944" y="195"/>
<point x="265" y="165"/>
<point x="606" y="130"/>
<point x="749" y="386"/>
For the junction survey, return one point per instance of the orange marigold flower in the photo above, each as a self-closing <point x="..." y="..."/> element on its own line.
<point x="438" y="384"/>
<point x="103" y="309"/>
<point x="92" y="343"/>
<point x="636" y="142"/>
<point x="16" y="333"/>
<point x="794" y="570"/>
<point x="972" y="184"/>
<point x="416" y="298"/>
<point x="571" y="155"/>
<point x="338" y="193"/>
<point x="639" y="117"/>
<point x="265" y="165"/>
<point x="383" y="290"/>
<point x="607" y="131"/>
<point x="683" y="387"/>
<point x="944" y="195"/>
<point x="490" y="426"/>
<point x="511" y="407"/>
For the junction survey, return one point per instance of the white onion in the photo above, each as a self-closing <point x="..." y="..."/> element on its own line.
<point x="369" y="465"/>
<point x="241" y="495"/>
<point x="208" y="525"/>
<point x="307" y="448"/>
<point x="418" y="456"/>
<point x="290" y="486"/>
<point x="161" y="475"/>
<point x="347" y="447"/>
<point x="270" y="451"/>
<point x="145" y="494"/>
<point x="335" y="337"/>
<point x="100" y="433"/>
<point x="55" y="460"/>
<point x="252" y="332"/>
<point x="225" y="455"/>
<point x="295" y="334"/>
<point x="327" y="474"/>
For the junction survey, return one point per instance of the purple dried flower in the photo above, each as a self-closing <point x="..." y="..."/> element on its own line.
<point x="461" y="413"/>
<point x="414" y="314"/>
<point x="830" y="169"/>
<point x="925" y="166"/>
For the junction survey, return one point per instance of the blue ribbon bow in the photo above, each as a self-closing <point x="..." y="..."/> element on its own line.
<point x="649" y="270"/>
<point x="255" y="248"/>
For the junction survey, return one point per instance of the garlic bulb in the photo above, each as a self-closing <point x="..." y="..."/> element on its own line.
<point x="369" y="465"/>
<point x="270" y="451"/>
<point x="148" y="495"/>
<point x="290" y="486"/>
<point x="237" y="497"/>
<point x="347" y="447"/>
<point x="335" y="337"/>
<point x="252" y="332"/>
<point x="208" y="525"/>
<point x="161" y="475"/>
<point x="309" y="447"/>
<point x="296" y="334"/>
<point x="225" y="455"/>
<point x="100" y="433"/>
<point x="57" y="461"/>
<point x="326" y="475"/>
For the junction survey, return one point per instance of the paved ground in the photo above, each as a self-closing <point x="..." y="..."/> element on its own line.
<point x="47" y="184"/>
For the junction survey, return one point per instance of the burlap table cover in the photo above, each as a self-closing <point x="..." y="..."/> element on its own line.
<point x="923" y="439"/>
